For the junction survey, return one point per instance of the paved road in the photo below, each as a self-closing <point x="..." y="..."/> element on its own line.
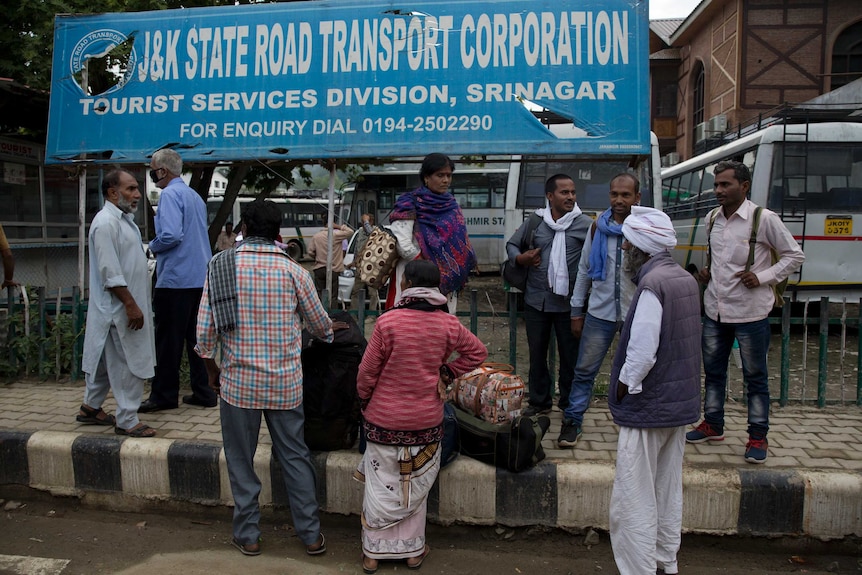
<point x="196" y="543"/>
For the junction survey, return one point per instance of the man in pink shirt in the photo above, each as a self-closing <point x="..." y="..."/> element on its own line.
<point x="318" y="248"/>
<point x="737" y="303"/>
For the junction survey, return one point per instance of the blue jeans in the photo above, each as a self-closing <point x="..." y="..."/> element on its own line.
<point x="753" y="340"/>
<point x="240" y="429"/>
<point x="596" y="339"/>
<point x="539" y="326"/>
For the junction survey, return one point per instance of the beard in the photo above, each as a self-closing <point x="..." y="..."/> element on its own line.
<point x="634" y="259"/>
<point x="127" y="206"/>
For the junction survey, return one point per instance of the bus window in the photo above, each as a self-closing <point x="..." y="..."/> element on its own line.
<point x="498" y="197"/>
<point x="592" y="181"/>
<point x="708" y="181"/>
<point x="689" y="186"/>
<point x="670" y="193"/>
<point x="830" y="180"/>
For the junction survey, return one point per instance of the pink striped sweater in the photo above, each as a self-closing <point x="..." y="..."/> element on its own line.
<point x="401" y="366"/>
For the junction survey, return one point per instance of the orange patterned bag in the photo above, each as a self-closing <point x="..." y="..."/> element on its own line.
<point x="491" y="392"/>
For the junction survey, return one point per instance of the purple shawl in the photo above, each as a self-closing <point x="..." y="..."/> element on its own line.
<point x="441" y="233"/>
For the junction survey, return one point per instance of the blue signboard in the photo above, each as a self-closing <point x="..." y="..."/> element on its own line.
<point x="331" y="79"/>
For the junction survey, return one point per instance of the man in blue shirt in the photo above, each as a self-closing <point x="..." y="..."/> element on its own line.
<point x="610" y="288"/>
<point x="182" y="249"/>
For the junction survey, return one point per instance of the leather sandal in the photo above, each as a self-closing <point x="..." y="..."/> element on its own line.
<point x="318" y="548"/>
<point x="418" y="565"/>
<point x="140" y="430"/>
<point x="90" y="416"/>
<point x="369" y="570"/>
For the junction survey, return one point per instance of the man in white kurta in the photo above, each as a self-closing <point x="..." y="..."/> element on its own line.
<point x="119" y="351"/>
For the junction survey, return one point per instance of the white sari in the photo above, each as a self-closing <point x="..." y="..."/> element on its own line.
<point x="397" y="482"/>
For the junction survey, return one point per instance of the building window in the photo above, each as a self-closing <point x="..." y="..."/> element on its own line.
<point x="697" y="95"/>
<point x="847" y="56"/>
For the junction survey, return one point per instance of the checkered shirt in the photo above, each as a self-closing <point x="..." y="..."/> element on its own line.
<point x="260" y="360"/>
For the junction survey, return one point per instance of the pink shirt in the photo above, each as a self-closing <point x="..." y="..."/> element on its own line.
<point x="319" y="246"/>
<point x="726" y="299"/>
<point x="401" y="366"/>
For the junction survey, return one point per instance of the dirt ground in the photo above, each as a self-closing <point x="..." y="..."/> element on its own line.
<point x="105" y="541"/>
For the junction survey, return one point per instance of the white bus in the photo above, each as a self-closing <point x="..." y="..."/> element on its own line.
<point x="498" y="194"/>
<point x="808" y="173"/>
<point x="301" y="218"/>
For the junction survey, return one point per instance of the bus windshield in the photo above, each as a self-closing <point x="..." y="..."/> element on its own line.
<point x="592" y="180"/>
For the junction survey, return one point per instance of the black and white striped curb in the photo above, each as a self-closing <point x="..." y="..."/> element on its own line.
<point x="573" y="495"/>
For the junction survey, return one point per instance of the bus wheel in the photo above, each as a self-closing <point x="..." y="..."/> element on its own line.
<point x="294" y="250"/>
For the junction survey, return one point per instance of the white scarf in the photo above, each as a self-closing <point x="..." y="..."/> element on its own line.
<point x="558" y="265"/>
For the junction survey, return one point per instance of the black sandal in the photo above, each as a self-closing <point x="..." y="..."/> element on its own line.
<point x="90" y="416"/>
<point x="140" y="430"/>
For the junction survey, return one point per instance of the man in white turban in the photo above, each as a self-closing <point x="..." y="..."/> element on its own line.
<point x="654" y="394"/>
<point x="650" y="230"/>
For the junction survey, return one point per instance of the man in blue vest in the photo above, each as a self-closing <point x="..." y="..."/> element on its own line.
<point x="654" y="394"/>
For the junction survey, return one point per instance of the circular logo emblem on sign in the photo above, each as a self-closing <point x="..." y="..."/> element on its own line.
<point x="96" y="45"/>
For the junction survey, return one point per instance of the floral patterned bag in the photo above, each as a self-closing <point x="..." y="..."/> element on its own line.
<point x="491" y="392"/>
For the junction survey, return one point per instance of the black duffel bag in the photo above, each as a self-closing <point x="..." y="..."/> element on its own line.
<point x="515" y="446"/>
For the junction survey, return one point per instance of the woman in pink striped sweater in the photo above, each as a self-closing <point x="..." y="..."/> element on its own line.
<point x="401" y="387"/>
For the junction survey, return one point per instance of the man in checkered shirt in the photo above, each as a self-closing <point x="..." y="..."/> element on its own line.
<point x="255" y="302"/>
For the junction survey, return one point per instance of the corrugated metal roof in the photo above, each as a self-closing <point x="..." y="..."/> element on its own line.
<point x="665" y="28"/>
<point x="666" y="54"/>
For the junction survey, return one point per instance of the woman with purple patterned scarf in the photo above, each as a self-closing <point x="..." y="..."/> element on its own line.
<point x="428" y="224"/>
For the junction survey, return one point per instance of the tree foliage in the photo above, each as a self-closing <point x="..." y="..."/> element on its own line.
<point x="28" y="35"/>
<point x="28" y="38"/>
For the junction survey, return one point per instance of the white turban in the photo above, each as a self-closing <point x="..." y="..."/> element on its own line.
<point x="650" y="230"/>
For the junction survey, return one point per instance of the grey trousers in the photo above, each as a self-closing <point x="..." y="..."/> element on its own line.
<point x="113" y="373"/>
<point x="240" y="429"/>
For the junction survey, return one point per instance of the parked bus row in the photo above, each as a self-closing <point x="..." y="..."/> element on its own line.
<point x="301" y="218"/>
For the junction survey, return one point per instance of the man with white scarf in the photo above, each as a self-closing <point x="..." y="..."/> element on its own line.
<point x="654" y="394"/>
<point x="552" y="256"/>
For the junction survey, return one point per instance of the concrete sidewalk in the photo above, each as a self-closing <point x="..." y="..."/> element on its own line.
<point x="810" y="485"/>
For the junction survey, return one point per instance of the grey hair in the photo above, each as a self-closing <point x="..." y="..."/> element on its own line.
<point x="634" y="259"/>
<point x="169" y="160"/>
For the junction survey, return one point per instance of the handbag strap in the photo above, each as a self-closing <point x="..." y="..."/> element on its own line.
<point x="497" y="367"/>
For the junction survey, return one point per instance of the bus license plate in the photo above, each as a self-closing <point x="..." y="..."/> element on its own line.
<point x="838" y="226"/>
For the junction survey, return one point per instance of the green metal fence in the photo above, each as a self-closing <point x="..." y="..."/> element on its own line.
<point x="44" y="338"/>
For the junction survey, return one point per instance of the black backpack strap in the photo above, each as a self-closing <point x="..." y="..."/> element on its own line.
<point x="530" y="231"/>
<point x="709" y="223"/>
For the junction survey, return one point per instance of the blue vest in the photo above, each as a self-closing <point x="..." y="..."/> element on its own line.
<point x="671" y="390"/>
